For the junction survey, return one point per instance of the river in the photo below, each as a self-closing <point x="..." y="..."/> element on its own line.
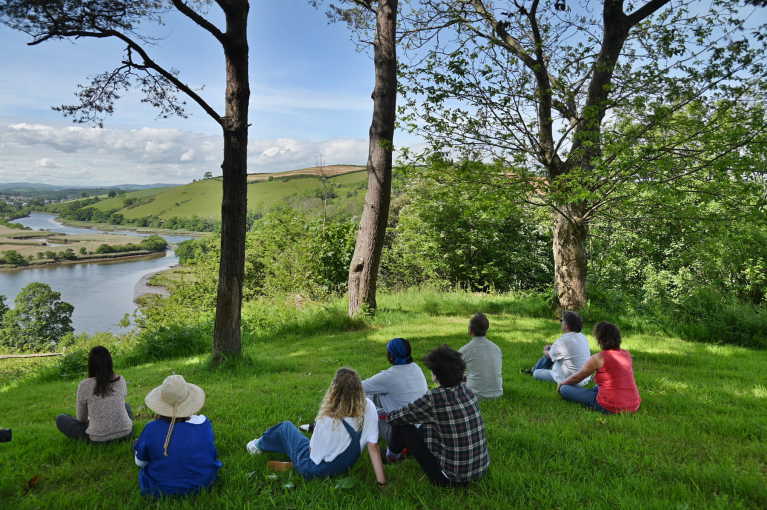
<point x="101" y="292"/>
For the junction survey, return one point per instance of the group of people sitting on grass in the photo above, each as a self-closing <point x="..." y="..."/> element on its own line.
<point x="441" y="428"/>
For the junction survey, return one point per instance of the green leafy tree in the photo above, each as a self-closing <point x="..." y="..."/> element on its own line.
<point x="543" y="86"/>
<point x="124" y="23"/>
<point x="208" y="175"/>
<point x="3" y="308"/>
<point x="112" y="193"/>
<point x="83" y="250"/>
<point x="38" y="320"/>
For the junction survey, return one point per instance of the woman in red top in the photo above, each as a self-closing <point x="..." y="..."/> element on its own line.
<point x="616" y="391"/>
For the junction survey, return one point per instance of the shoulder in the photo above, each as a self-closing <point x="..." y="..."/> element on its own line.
<point x="466" y="347"/>
<point x="86" y="384"/>
<point x="198" y="419"/>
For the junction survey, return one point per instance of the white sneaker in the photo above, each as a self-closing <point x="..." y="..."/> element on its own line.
<point x="253" y="448"/>
<point x="307" y="427"/>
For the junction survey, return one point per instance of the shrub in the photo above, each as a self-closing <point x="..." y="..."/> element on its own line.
<point x="172" y="341"/>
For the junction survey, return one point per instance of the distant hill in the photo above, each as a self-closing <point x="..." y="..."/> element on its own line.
<point x="32" y="186"/>
<point x="203" y="198"/>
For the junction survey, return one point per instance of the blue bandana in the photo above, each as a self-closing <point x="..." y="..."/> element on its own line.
<point x="399" y="350"/>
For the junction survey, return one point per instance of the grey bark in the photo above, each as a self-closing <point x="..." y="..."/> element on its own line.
<point x="363" y="272"/>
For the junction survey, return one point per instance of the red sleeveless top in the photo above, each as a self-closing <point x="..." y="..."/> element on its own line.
<point x="617" y="388"/>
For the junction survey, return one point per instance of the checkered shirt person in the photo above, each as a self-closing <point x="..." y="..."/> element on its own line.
<point x="453" y="430"/>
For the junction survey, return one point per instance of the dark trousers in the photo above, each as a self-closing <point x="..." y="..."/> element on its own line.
<point x="74" y="429"/>
<point x="411" y="437"/>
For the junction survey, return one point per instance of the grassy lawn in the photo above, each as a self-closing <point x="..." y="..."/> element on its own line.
<point x="699" y="439"/>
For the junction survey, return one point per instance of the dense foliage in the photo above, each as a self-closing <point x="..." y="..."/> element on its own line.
<point x="38" y="320"/>
<point x="452" y="234"/>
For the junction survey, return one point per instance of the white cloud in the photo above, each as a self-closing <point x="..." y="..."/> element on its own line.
<point x="46" y="163"/>
<point x="86" y="156"/>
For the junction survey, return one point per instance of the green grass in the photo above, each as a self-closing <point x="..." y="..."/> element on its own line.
<point x="698" y="440"/>
<point x="203" y="198"/>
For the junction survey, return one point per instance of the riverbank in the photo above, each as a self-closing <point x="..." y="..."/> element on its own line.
<point x="106" y="257"/>
<point x="106" y="227"/>
<point x="145" y="286"/>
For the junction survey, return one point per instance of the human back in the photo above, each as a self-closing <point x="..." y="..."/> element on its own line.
<point x="617" y="386"/>
<point x="102" y="413"/>
<point x="484" y="361"/>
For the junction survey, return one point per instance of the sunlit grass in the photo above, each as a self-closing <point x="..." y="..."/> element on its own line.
<point x="698" y="440"/>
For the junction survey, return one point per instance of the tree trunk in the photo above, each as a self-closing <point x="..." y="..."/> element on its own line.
<point x="363" y="272"/>
<point x="570" y="259"/>
<point x="234" y="206"/>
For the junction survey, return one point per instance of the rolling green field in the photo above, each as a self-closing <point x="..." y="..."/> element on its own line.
<point x="699" y="439"/>
<point x="203" y="197"/>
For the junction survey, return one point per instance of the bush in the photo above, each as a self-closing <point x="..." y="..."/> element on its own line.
<point x="172" y="341"/>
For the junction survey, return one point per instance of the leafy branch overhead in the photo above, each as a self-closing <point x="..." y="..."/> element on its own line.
<point x="100" y="19"/>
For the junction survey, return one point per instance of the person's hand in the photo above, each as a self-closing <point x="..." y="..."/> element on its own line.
<point x="383" y="487"/>
<point x="559" y="386"/>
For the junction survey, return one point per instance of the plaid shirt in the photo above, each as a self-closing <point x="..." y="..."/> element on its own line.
<point x="452" y="429"/>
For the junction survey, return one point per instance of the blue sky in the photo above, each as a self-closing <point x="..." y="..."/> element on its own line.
<point x="310" y="96"/>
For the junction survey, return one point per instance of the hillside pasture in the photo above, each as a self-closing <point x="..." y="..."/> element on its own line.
<point x="330" y="170"/>
<point x="203" y="198"/>
<point x="699" y="439"/>
<point x="117" y="202"/>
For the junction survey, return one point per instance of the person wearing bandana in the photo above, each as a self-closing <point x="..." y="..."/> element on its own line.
<point x="396" y="386"/>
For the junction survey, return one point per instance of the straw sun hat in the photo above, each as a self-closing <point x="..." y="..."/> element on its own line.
<point x="176" y="398"/>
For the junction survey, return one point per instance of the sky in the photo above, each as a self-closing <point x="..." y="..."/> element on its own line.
<point x="310" y="99"/>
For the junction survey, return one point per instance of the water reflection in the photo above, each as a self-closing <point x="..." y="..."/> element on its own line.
<point x="101" y="292"/>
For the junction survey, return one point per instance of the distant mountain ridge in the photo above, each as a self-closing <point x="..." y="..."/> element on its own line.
<point x="35" y="185"/>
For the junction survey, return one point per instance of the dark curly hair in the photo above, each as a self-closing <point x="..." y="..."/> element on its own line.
<point x="446" y="364"/>
<point x="608" y="336"/>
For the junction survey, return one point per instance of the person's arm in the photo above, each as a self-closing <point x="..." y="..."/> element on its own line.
<point x="593" y="364"/>
<point x="418" y="411"/>
<point x="547" y="351"/>
<point x="82" y="404"/>
<point x="141" y="447"/>
<point x="375" y="459"/>
<point x="379" y="383"/>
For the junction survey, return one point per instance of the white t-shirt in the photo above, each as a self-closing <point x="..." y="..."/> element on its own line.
<point x="569" y="353"/>
<point x="397" y="386"/>
<point x="330" y="438"/>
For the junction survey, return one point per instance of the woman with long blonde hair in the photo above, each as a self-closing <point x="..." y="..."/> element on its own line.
<point x="346" y="424"/>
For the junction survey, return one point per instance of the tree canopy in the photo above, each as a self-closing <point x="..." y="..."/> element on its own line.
<point x="583" y="105"/>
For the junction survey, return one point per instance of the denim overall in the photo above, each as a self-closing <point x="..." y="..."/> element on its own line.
<point x="286" y="438"/>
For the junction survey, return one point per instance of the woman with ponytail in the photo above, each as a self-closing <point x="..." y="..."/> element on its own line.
<point x="102" y="413"/>
<point x="176" y="452"/>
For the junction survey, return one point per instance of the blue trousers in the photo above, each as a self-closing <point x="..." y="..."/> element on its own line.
<point x="542" y="370"/>
<point x="286" y="438"/>
<point x="583" y="396"/>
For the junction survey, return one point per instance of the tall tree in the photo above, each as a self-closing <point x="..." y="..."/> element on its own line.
<point x="361" y="15"/>
<point x="539" y="85"/>
<point x="121" y="20"/>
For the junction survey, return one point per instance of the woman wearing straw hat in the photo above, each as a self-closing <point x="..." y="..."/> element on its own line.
<point x="346" y="423"/>
<point x="176" y="452"/>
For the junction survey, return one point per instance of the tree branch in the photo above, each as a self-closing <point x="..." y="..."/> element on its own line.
<point x="190" y="13"/>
